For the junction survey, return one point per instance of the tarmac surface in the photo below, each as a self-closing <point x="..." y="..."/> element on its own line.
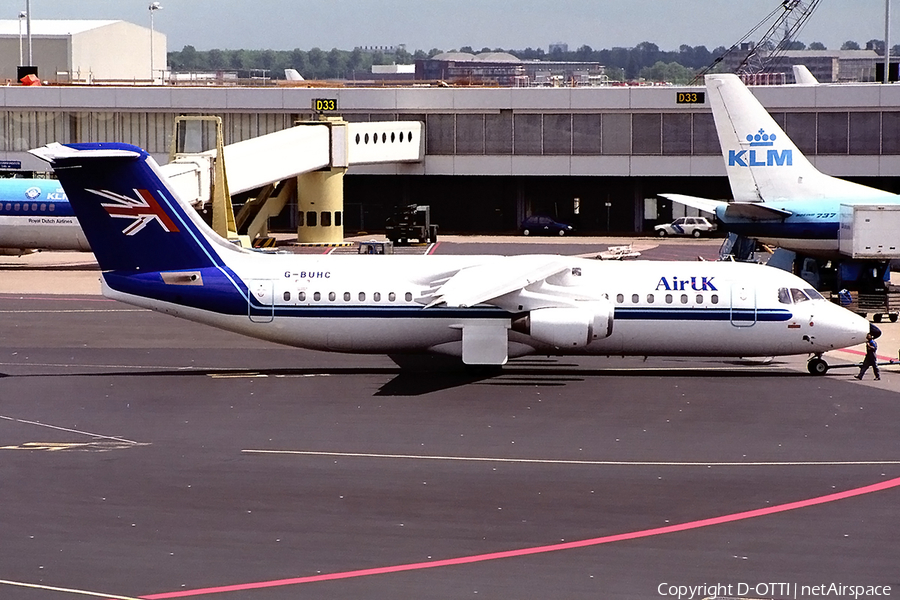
<point x="143" y="456"/>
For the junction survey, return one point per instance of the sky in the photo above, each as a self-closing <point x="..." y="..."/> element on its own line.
<point x="451" y="24"/>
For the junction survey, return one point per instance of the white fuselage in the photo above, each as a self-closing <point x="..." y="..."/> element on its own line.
<point x="376" y="304"/>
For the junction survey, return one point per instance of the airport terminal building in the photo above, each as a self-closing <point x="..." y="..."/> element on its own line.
<point x="594" y="156"/>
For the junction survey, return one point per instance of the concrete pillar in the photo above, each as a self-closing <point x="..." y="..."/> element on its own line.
<point x="320" y="207"/>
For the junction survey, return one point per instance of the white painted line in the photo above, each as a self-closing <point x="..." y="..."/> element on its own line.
<point x="65" y="590"/>
<point x="94" y="435"/>
<point x="541" y="461"/>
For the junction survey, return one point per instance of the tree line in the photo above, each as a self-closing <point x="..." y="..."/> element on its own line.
<point x="643" y="61"/>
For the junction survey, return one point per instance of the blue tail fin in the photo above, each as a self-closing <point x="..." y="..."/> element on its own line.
<point x="130" y="217"/>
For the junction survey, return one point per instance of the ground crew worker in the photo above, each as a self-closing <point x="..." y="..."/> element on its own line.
<point x="870" y="360"/>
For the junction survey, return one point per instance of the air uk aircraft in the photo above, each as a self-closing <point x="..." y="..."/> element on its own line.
<point x="156" y="252"/>
<point x="780" y="198"/>
<point x="35" y="214"/>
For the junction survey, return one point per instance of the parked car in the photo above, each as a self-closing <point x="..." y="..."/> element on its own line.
<point x="541" y="225"/>
<point x="695" y="226"/>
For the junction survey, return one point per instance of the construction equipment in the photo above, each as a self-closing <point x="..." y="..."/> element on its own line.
<point x="768" y="48"/>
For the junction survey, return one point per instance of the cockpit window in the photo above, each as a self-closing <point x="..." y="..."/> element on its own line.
<point x="784" y="296"/>
<point x="813" y="294"/>
<point x="798" y="295"/>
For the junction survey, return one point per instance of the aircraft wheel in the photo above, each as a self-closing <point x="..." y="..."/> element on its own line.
<point x="817" y="366"/>
<point x="526" y="232"/>
<point x="696" y="233"/>
<point x="662" y="233"/>
<point x="877" y="317"/>
<point x="893" y="317"/>
<point x="562" y="232"/>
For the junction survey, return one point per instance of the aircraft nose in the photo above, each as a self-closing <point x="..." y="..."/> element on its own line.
<point x="874" y="331"/>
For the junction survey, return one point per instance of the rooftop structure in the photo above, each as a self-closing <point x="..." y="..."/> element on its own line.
<point x="83" y="51"/>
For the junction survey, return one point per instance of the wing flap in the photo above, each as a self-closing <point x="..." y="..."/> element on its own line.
<point x="755" y="210"/>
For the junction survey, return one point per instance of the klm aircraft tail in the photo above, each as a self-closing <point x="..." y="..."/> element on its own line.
<point x="130" y="216"/>
<point x="763" y="164"/>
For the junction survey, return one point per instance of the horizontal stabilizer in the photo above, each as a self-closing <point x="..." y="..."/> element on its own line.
<point x="703" y="204"/>
<point x="485" y="282"/>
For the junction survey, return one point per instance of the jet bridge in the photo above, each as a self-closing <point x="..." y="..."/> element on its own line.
<point x="315" y="154"/>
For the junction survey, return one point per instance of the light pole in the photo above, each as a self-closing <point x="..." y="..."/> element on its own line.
<point x="887" y="40"/>
<point x="22" y="14"/>
<point x="28" y="29"/>
<point x="154" y="6"/>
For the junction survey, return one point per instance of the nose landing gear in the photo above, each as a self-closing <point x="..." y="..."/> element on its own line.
<point x="816" y="365"/>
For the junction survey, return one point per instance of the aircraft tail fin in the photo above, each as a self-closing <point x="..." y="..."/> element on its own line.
<point x="803" y="76"/>
<point x="293" y="75"/>
<point x="132" y="219"/>
<point x="762" y="162"/>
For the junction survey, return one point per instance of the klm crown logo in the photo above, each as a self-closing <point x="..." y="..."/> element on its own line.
<point x="761" y="139"/>
<point x="761" y="158"/>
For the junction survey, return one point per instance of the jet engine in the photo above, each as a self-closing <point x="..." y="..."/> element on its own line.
<point x="567" y="327"/>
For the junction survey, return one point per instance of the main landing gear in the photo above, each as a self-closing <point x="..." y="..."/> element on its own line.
<point x="816" y="365"/>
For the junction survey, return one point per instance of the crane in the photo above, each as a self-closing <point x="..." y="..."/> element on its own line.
<point x="788" y="17"/>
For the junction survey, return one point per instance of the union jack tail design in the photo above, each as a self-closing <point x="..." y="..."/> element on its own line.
<point x="151" y="229"/>
<point x="143" y="209"/>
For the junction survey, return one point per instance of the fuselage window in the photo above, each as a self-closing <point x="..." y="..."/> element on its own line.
<point x="635" y="298"/>
<point x="43" y="208"/>
<point x="409" y="296"/>
<point x="16" y="206"/>
<point x="620" y="298"/>
<point x="300" y="214"/>
<point x="376" y="296"/>
<point x="784" y="296"/>
<point x="684" y="299"/>
<point x="311" y="218"/>
<point x="649" y="298"/>
<point x="346" y="296"/>
<point x="668" y="298"/>
<point x="9" y="206"/>
<point x="317" y="296"/>
<point x="52" y="207"/>
<point x="392" y="296"/>
<point x="337" y="218"/>
<point x="362" y="296"/>
<point x="301" y="296"/>
<point x="326" y="218"/>
<point x="287" y="296"/>
<point x="331" y="296"/>
<point x="798" y="295"/>
<point x="34" y="207"/>
<point x="699" y="299"/>
<point x="714" y="298"/>
<point x="813" y="294"/>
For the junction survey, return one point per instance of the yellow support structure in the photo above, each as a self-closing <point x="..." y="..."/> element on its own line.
<point x="223" y="222"/>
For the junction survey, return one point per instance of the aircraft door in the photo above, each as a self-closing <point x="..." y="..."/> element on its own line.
<point x="260" y="300"/>
<point x="743" y="305"/>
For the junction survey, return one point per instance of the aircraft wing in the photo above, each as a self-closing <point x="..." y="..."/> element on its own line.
<point x="704" y="204"/>
<point x="755" y="210"/>
<point x="741" y="210"/>
<point x="486" y="282"/>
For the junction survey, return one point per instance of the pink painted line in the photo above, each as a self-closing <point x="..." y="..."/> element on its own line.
<point x="434" y="247"/>
<point x="759" y="512"/>
<point x="51" y="297"/>
<point x="861" y="353"/>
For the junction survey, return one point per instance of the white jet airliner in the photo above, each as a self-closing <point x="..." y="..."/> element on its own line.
<point x="35" y="214"/>
<point x="156" y="252"/>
